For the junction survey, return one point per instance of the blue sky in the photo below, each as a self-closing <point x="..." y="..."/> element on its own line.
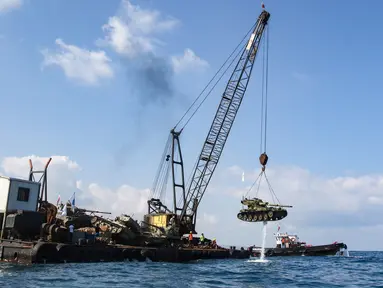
<point x="324" y="87"/>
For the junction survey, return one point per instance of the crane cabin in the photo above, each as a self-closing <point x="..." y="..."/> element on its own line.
<point x="15" y="195"/>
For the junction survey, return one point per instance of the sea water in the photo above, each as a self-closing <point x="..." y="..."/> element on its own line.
<point x="361" y="269"/>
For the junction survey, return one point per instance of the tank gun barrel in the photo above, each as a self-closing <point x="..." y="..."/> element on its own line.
<point x="278" y="205"/>
<point x="92" y="211"/>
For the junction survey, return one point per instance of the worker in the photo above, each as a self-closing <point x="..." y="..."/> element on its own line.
<point x="71" y="230"/>
<point x="202" y="239"/>
<point x="190" y="238"/>
<point x="97" y="230"/>
<point x="172" y="220"/>
<point x="214" y="244"/>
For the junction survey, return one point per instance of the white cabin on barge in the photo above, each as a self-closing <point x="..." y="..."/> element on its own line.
<point x="17" y="194"/>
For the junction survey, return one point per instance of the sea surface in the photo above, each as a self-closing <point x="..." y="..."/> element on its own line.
<point x="361" y="269"/>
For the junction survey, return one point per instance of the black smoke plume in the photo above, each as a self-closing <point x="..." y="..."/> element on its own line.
<point x="150" y="82"/>
<point x="151" y="79"/>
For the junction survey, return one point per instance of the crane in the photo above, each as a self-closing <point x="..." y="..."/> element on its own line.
<point x="181" y="219"/>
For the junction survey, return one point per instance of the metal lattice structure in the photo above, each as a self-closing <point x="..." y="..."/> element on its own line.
<point x="185" y="212"/>
<point x="224" y="119"/>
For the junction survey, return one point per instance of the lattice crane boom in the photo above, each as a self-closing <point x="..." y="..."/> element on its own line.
<point x="224" y="119"/>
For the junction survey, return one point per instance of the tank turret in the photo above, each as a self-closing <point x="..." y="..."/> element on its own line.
<point x="258" y="210"/>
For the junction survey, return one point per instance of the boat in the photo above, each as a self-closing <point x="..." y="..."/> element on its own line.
<point x="290" y="245"/>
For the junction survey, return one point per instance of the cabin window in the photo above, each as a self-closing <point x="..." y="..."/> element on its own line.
<point x="23" y="194"/>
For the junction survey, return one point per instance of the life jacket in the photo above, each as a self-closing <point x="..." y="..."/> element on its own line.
<point x="190" y="237"/>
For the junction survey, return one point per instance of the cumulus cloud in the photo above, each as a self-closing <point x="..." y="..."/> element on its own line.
<point x="188" y="61"/>
<point x="310" y="192"/>
<point x="325" y="210"/>
<point x="124" y="199"/>
<point x="84" y="65"/>
<point x="133" y="31"/>
<point x="62" y="173"/>
<point x="133" y="34"/>
<point x="64" y="178"/>
<point x="8" y="5"/>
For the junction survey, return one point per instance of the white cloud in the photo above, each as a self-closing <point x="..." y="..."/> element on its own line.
<point x="325" y="210"/>
<point x="188" y="61"/>
<point x="133" y="31"/>
<point x="19" y="166"/>
<point x="8" y="5"/>
<point x="124" y="199"/>
<point x="62" y="173"/>
<point x="310" y="192"/>
<point x="64" y="179"/>
<point x="77" y="63"/>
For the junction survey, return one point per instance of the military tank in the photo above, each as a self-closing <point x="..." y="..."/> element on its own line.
<point x="258" y="211"/>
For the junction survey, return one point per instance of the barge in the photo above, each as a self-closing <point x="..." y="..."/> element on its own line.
<point x="35" y="231"/>
<point x="290" y="245"/>
<point x="43" y="252"/>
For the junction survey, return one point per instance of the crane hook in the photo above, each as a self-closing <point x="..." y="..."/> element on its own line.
<point x="263" y="160"/>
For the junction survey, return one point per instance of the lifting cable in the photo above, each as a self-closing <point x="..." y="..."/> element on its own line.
<point x="160" y="180"/>
<point x="215" y="75"/>
<point x="264" y="158"/>
<point x="219" y="79"/>
<point x="265" y="81"/>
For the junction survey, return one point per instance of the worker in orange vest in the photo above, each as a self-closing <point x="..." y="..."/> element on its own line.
<point x="190" y="238"/>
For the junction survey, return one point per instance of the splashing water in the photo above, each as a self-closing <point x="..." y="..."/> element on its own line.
<point x="345" y="253"/>
<point x="264" y="232"/>
<point x="262" y="257"/>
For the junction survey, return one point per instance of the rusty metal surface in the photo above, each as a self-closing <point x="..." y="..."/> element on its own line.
<point x="49" y="252"/>
<point x="263" y="159"/>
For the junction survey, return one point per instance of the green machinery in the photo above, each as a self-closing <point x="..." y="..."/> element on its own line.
<point x="258" y="211"/>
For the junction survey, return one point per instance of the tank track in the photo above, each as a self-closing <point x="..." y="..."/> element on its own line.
<point x="260" y="216"/>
